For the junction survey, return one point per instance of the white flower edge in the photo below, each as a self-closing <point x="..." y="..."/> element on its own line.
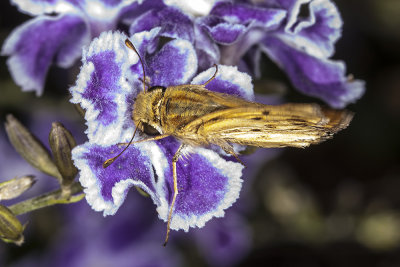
<point x="194" y="8"/>
<point x="92" y="187"/>
<point x="230" y="74"/>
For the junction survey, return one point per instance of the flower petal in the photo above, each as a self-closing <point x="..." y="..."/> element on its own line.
<point x="195" y="8"/>
<point x="293" y="9"/>
<point x="239" y="27"/>
<point x="108" y="82"/>
<point x="39" y="7"/>
<point x="318" y="77"/>
<point x="30" y="60"/>
<point x="207" y="185"/>
<point x="228" y="21"/>
<point x="174" y="64"/>
<point x="207" y="50"/>
<point x="267" y="18"/>
<point x="228" y="80"/>
<point x="106" y="188"/>
<point x="103" y="86"/>
<point x="173" y="23"/>
<point x="222" y="32"/>
<point x="318" y="33"/>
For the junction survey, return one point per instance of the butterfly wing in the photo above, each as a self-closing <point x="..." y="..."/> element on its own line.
<point x="295" y="125"/>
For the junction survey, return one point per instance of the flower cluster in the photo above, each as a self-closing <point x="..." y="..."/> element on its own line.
<point x="179" y="43"/>
<point x="57" y="34"/>
<point x="228" y="32"/>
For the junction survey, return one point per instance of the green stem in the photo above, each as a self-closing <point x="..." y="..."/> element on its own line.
<point x="48" y="199"/>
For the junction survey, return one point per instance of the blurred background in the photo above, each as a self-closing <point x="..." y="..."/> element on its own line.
<point x="334" y="204"/>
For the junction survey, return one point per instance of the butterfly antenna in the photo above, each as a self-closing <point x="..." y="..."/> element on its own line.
<point x="212" y="78"/>
<point x="129" y="44"/>
<point x="111" y="160"/>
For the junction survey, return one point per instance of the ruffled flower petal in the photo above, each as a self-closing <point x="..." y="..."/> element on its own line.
<point x="106" y="188"/>
<point x="239" y="27"/>
<point x="207" y="50"/>
<point x="173" y="23"/>
<point x="103" y="86"/>
<point x="318" y="77"/>
<point x="223" y="32"/>
<point x="207" y="185"/>
<point x="33" y="46"/>
<point x="228" y="21"/>
<point x="293" y="10"/>
<point x="40" y="7"/>
<point x="228" y="80"/>
<point x="266" y="18"/>
<point x="317" y="33"/>
<point x="57" y="34"/>
<point x="174" y="64"/>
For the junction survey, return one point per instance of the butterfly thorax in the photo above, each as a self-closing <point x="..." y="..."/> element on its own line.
<point x="168" y="110"/>
<point x="183" y="104"/>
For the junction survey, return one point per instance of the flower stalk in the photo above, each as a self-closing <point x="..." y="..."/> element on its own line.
<point x="48" y="199"/>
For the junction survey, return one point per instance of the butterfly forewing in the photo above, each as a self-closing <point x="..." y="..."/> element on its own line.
<point x="296" y="125"/>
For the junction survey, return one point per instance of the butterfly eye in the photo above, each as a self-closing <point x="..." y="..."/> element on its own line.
<point x="149" y="130"/>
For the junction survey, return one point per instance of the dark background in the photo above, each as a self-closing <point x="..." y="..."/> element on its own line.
<point x="335" y="204"/>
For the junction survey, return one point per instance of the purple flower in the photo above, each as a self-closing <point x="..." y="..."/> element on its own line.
<point x="106" y="87"/>
<point x="301" y="46"/>
<point x="176" y="24"/>
<point x="56" y="34"/>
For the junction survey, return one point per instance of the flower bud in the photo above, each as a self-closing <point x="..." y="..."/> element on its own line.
<point x="10" y="227"/>
<point x="15" y="187"/>
<point x="29" y="147"/>
<point x="61" y="143"/>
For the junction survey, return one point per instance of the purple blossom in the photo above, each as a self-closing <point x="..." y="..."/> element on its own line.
<point x="106" y="87"/>
<point x="56" y="34"/>
<point x="301" y="46"/>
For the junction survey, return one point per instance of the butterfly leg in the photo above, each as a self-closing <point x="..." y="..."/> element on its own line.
<point x="228" y="148"/>
<point x="237" y="158"/>
<point x="175" y="159"/>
